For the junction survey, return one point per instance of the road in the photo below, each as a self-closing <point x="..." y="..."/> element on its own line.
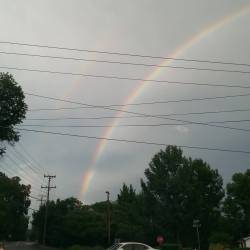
<point x="24" y="246"/>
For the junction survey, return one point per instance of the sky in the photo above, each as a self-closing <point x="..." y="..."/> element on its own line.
<point x="86" y="168"/>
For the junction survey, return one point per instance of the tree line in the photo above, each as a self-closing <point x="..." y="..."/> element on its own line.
<point x="174" y="192"/>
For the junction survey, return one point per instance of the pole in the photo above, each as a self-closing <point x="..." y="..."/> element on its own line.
<point x="198" y="237"/>
<point x="47" y="205"/>
<point x="108" y="216"/>
<point x="41" y="201"/>
<point x="196" y="224"/>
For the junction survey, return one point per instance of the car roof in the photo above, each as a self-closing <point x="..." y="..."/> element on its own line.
<point x="133" y="243"/>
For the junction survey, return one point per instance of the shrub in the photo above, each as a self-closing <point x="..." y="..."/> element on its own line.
<point x="170" y="247"/>
<point x="78" y="247"/>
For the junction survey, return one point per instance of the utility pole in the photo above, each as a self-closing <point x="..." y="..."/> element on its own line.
<point x="48" y="187"/>
<point x="108" y="216"/>
<point x="41" y="201"/>
<point x="196" y="224"/>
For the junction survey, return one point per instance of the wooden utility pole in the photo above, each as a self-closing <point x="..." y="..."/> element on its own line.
<point x="41" y="201"/>
<point x="48" y="187"/>
<point x="108" y="216"/>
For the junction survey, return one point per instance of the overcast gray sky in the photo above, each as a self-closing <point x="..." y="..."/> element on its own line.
<point x="206" y="30"/>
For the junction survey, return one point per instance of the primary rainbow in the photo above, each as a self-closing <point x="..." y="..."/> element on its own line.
<point x="88" y="175"/>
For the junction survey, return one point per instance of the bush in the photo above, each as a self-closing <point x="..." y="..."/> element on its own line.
<point x="170" y="247"/>
<point x="78" y="247"/>
<point x="75" y="247"/>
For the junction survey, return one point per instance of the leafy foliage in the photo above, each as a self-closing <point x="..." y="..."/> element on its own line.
<point x="12" y="109"/>
<point x="128" y="220"/>
<point x="70" y="222"/>
<point x="14" y="204"/>
<point x="78" y="247"/>
<point x="182" y="190"/>
<point x="176" y="190"/>
<point x="237" y="205"/>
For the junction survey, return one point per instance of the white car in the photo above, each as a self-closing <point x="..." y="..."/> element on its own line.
<point x="130" y="246"/>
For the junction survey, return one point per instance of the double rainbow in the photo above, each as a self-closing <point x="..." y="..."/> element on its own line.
<point x="196" y="38"/>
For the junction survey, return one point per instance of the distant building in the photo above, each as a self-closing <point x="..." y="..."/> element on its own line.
<point x="245" y="242"/>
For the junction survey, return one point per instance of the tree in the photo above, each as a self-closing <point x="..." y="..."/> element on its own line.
<point x="178" y="190"/>
<point x="12" y="109"/>
<point x="237" y="205"/>
<point x="128" y="221"/>
<point x="84" y="226"/>
<point x="69" y="223"/>
<point x="56" y="214"/>
<point x="14" y="204"/>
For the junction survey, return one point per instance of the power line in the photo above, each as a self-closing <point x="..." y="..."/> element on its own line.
<point x="139" y="116"/>
<point x="24" y="170"/>
<point x="133" y="125"/>
<point x="26" y="175"/>
<point x="32" y="209"/>
<point x="26" y="162"/>
<point x="32" y="160"/>
<point x="125" y="54"/>
<point x="151" y="103"/>
<point x="133" y="113"/>
<point x="35" y="198"/>
<point x="135" y="141"/>
<point x="114" y="77"/>
<point x="31" y="179"/>
<point x="11" y="171"/>
<point x="8" y="170"/>
<point x="124" y="63"/>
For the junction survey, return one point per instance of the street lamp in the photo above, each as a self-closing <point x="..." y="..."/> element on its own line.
<point x="196" y="224"/>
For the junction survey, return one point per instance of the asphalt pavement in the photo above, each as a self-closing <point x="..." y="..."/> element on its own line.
<point x="20" y="245"/>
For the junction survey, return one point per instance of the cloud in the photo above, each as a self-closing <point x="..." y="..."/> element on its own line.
<point x="182" y="129"/>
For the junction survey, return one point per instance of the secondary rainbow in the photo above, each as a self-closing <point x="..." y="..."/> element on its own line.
<point x="88" y="175"/>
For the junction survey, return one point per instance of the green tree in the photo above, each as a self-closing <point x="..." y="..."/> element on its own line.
<point x="12" y="109"/>
<point x="69" y="223"/>
<point x="178" y="190"/>
<point x="14" y="204"/>
<point x="237" y="206"/>
<point x="128" y="221"/>
<point x="56" y="214"/>
<point x="85" y="226"/>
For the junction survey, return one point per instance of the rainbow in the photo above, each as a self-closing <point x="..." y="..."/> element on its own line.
<point x="214" y="26"/>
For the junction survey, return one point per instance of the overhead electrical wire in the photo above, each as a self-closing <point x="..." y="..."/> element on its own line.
<point x="35" y="198"/>
<point x="32" y="209"/>
<point x="32" y="179"/>
<point x="31" y="159"/>
<point x="27" y="163"/>
<point x="125" y="54"/>
<point x="133" y="125"/>
<point x="10" y="170"/>
<point x="24" y="170"/>
<point x="7" y="170"/>
<point x="130" y="112"/>
<point x="125" y="63"/>
<point x="116" y="77"/>
<point x="150" y="103"/>
<point x="19" y="157"/>
<point x="139" y="116"/>
<point x="135" y="141"/>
